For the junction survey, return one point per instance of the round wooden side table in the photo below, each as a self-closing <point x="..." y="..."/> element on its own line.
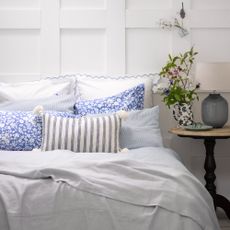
<point x="209" y="137"/>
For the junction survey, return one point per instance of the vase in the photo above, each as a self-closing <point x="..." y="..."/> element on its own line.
<point x="214" y="110"/>
<point x="182" y="113"/>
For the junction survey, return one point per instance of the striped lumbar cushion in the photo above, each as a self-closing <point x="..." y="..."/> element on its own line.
<point x="85" y="134"/>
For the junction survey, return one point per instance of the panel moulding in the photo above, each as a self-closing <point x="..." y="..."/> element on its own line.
<point x="50" y="37"/>
<point x="146" y="18"/>
<point x="116" y="61"/>
<point x="20" y="19"/>
<point x="83" y="19"/>
<point x="209" y="19"/>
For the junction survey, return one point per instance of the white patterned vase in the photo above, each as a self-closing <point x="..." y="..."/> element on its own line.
<point x="182" y="113"/>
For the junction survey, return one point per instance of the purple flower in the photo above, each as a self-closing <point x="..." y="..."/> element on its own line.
<point x="166" y="92"/>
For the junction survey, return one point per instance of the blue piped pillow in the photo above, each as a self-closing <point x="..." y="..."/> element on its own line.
<point x="131" y="99"/>
<point x="22" y="131"/>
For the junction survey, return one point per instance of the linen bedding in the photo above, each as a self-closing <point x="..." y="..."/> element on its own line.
<point x="143" y="189"/>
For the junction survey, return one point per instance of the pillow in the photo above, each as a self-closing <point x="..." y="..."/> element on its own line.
<point x="94" y="87"/>
<point x="53" y="103"/>
<point x="36" y="89"/>
<point x="141" y="129"/>
<point x="22" y="131"/>
<point x="131" y="99"/>
<point x="86" y="134"/>
<point x="68" y="77"/>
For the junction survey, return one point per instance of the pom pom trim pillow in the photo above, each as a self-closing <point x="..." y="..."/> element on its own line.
<point x="131" y="99"/>
<point x="85" y="134"/>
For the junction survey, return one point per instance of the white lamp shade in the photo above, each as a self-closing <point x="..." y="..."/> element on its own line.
<point x="213" y="76"/>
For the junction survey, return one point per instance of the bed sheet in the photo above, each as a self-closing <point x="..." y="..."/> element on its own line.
<point x="43" y="190"/>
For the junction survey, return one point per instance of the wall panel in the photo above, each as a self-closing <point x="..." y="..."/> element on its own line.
<point x="17" y="4"/>
<point x="20" y="51"/>
<point x="210" y="4"/>
<point x="83" y="4"/>
<point x="150" y="55"/>
<point x="129" y="39"/>
<point x="213" y="44"/>
<point x="83" y="51"/>
<point x="148" y="4"/>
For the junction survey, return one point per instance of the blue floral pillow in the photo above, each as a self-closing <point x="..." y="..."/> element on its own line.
<point x="22" y="131"/>
<point x="131" y="99"/>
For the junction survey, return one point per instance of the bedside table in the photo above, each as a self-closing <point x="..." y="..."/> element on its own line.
<point x="209" y="137"/>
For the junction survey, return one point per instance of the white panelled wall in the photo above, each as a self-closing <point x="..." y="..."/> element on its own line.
<point x="50" y="37"/>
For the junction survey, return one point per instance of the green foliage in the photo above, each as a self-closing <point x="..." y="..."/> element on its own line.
<point x="180" y="87"/>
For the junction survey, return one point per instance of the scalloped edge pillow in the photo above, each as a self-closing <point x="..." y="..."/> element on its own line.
<point x="37" y="89"/>
<point x="94" y="87"/>
<point x="131" y="99"/>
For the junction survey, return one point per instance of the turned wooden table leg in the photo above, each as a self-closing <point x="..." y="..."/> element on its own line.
<point x="210" y="166"/>
<point x="210" y="177"/>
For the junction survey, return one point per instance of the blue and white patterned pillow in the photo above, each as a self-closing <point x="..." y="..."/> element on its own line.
<point x="22" y="131"/>
<point x="131" y="99"/>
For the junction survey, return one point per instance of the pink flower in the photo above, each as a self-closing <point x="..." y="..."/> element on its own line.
<point x="175" y="72"/>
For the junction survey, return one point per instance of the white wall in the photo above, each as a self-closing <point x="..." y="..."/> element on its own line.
<point x="49" y="37"/>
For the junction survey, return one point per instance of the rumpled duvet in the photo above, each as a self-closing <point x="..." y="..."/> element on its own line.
<point x="145" y="189"/>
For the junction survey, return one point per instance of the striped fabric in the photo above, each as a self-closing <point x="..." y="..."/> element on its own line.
<point x="85" y="134"/>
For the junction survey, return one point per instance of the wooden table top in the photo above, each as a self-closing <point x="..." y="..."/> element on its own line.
<point x="220" y="132"/>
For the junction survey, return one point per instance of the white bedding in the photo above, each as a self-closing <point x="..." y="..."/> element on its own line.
<point x="144" y="189"/>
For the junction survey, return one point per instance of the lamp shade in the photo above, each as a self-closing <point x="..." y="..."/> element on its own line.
<point x="213" y="76"/>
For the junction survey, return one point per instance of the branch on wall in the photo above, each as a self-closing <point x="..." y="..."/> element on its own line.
<point x="174" y="24"/>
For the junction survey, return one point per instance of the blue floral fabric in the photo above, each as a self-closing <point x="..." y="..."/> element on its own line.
<point x="22" y="131"/>
<point x="131" y="99"/>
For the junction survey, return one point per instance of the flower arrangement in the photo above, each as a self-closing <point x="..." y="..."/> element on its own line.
<point x="178" y="87"/>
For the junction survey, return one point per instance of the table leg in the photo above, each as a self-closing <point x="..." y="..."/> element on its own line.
<point x="210" y="166"/>
<point x="210" y="177"/>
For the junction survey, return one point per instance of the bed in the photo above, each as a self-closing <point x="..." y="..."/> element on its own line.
<point x="96" y="168"/>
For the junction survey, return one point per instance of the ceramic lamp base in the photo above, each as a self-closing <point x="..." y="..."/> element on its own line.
<point x="214" y="110"/>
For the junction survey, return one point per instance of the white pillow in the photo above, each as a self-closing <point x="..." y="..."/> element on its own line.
<point x="36" y="89"/>
<point x="94" y="87"/>
<point x="55" y="103"/>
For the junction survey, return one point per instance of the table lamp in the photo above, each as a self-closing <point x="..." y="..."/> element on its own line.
<point x="214" y="77"/>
